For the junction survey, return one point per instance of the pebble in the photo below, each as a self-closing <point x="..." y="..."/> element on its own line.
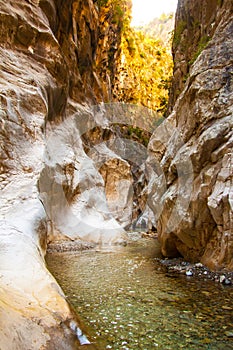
<point x="189" y="273"/>
<point x="199" y="265"/>
<point x="177" y="265"/>
<point x="227" y="281"/>
<point x="229" y="334"/>
<point x="222" y="279"/>
<point x="73" y="326"/>
<point x="82" y="338"/>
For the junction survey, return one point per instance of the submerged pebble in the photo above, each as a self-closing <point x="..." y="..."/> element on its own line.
<point x="146" y="309"/>
<point x="189" y="273"/>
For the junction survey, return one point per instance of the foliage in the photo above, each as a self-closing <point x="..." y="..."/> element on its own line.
<point x="220" y="3"/>
<point x="180" y="27"/>
<point x="201" y="45"/>
<point x="160" y="28"/>
<point x="119" y="9"/>
<point x="145" y="71"/>
<point x="102" y="2"/>
<point x="134" y="133"/>
<point x="141" y="71"/>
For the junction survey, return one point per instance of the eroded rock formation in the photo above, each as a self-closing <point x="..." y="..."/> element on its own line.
<point x="50" y="57"/>
<point x="57" y="67"/>
<point x="194" y="183"/>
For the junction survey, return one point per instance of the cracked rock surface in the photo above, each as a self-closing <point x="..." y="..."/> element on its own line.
<point x="195" y="183"/>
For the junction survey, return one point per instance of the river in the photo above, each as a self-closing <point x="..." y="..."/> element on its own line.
<point x="127" y="300"/>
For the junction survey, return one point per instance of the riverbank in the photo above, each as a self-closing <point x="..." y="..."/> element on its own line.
<point x="177" y="266"/>
<point x="174" y="267"/>
<point x="69" y="246"/>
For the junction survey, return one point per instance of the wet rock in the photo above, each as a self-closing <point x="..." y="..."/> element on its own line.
<point x="189" y="273"/>
<point x="229" y="334"/>
<point x="198" y="265"/>
<point x="222" y="279"/>
<point x="227" y="281"/>
<point x="180" y="266"/>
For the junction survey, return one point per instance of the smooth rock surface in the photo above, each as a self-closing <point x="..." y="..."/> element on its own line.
<point x="49" y="71"/>
<point x="117" y="176"/>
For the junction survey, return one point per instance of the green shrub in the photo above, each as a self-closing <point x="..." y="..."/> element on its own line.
<point x="201" y="45"/>
<point x="180" y="27"/>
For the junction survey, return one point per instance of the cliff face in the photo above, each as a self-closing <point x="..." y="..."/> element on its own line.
<point x="57" y="64"/>
<point x="195" y="24"/>
<point x="50" y="55"/>
<point x="194" y="187"/>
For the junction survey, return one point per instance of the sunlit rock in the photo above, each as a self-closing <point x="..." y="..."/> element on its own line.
<point x="72" y="190"/>
<point x="48" y="57"/>
<point x="118" y="182"/>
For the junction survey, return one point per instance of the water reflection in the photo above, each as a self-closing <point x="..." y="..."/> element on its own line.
<point x="129" y="301"/>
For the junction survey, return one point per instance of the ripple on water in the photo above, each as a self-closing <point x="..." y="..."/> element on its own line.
<point x="127" y="301"/>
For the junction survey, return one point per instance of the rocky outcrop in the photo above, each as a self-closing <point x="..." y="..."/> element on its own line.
<point x="192" y="189"/>
<point x="195" y="24"/>
<point x="117" y="176"/>
<point x="57" y="63"/>
<point x="50" y="72"/>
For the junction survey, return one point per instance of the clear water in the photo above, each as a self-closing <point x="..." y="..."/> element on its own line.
<point x="128" y="301"/>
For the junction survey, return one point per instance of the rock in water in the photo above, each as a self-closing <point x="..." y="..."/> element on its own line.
<point x="189" y="273"/>
<point x="222" y="279"/>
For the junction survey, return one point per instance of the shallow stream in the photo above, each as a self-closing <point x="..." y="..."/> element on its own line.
<point x="127" y="300"/>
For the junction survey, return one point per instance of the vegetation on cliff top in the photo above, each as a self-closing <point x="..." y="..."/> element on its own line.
<point x="144" y="66"/>
<point x="145" y="71"/>
<point x="160" y="28"/>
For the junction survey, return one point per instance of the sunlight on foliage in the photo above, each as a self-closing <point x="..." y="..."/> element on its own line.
<point x="144" y="68"/>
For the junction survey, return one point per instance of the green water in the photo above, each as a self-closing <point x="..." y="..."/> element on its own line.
<point x="128" y="301"/>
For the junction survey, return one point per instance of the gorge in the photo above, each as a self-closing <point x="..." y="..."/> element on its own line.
<point x="69" y="172"/>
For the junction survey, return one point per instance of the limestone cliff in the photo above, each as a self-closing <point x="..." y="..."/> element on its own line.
<point x="192" y="192"/>
<point x="51" y="54"/>
<point x="57" y="64"/>
<point x="195" y="24"/>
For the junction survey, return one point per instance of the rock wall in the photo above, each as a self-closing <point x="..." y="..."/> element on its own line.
<point x="192" y="189"/>
<point x="195" y="24"/>
<point x="50" y="57"/>
<point x="57" y="63"/>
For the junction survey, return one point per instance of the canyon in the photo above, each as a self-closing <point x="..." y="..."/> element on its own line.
<point x="68" y="173"/>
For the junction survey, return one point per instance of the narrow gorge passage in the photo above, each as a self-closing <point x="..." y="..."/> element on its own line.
<point x="104" y="133"/>
<point x="128" y="300"/>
